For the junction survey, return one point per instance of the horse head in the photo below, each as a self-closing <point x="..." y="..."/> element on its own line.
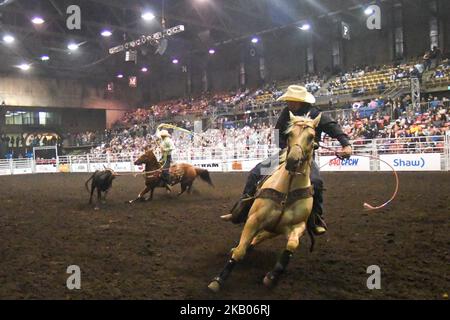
<point x="149" y="159"/>
<point x="301" y="133"/>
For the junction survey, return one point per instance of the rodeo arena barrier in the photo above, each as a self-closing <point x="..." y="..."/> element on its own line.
<point x="428" y="153"/>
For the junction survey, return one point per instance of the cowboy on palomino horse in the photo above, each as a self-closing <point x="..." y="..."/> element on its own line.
<point x="283" y="204"/>
<point x="300" y="103"/>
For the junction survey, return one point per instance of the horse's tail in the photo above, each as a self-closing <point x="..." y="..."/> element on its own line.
<point x="86" y="184"/>
<point x="204" y="175"/>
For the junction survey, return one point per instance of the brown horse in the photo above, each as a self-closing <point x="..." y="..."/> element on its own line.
<point x="182" y="173"/>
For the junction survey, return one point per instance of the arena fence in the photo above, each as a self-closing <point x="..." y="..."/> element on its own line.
<point x="404" y="154"/>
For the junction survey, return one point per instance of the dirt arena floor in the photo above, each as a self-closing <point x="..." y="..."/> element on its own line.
<point x="171" y="248"/>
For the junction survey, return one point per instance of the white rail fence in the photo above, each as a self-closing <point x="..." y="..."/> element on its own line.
<point x="404" y="154"/>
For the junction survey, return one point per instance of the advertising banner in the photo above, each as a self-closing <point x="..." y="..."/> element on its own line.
<point x="412" y="162"/>
<point x="355" y="163"/>
<point x="46" y="168"/>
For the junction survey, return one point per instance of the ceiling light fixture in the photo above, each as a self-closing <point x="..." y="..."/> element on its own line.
<point x="37" y="20"/>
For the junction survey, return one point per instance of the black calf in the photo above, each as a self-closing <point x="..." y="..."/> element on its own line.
<point x="102" y="181"/>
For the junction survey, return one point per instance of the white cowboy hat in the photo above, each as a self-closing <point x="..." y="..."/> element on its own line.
<point x="164" y="133"/>
<point x="297" y="94"/>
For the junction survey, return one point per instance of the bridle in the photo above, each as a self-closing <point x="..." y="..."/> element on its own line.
<point x="305" y="155"/>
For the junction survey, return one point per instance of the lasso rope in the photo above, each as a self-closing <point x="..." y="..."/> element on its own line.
<point x="366" y="205"/>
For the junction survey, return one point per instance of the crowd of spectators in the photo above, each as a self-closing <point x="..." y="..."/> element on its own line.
<point x="372" y="119"/>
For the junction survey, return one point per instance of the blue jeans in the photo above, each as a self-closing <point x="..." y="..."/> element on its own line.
<point x="165" y="175"/>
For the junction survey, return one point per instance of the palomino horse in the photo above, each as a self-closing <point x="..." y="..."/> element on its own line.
<point x="282" y="205"/>
<point x="182" y="173"/>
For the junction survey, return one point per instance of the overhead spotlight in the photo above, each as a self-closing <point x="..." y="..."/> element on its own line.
<point x="24" y="67"/>
<point x="72" y="46"/>
<point x="8" y="38"/>
<point x="148" y="16"/>
<point x="37" y="20"/>
<point x="212" y="51"/>
<point x="106" y="33"/>
<point x="368" y="11"/>
<point x="45" y="58"/>
<point x="255" y="40"/>
<point x="120" y="76"/>
<point x="175" y="61"/>
<point x="144" y="69"/>
<point x="305" y="27"/>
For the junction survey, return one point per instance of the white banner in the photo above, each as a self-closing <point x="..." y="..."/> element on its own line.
<point x="46" y="168"/>
<point x="412" y="162"/>
<point x="79" y="167"/>
<point x="22" y="171"/>
<point x="355" y="163"/>
<point x="210" y="165"/>
<point x="98" y="166"/>
<point x="5" y="172"/>
<point x="120" y="166"/>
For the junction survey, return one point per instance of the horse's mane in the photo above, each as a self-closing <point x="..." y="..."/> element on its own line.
<point x="295" y="121"/>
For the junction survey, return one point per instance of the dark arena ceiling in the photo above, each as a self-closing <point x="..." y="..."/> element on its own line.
<point x="208" y="24"/>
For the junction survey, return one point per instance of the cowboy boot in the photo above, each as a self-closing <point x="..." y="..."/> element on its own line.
<point x="166" y="182"/>
<point x="241" y="208"/>
<point x="320" y="226"/>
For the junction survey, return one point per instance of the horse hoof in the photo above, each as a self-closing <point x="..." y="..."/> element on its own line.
<point x="226" y="217"/>
<point x="214" y="286"/>
<point x="269" y="280"/>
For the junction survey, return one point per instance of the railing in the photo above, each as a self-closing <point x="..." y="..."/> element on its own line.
<point x="411" y="154"/>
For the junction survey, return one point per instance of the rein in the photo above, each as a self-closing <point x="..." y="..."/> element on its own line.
<point x="366" y="205"/>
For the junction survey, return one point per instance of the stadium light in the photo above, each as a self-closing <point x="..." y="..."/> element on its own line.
<point x="24" y="67"/>
<point x="120" y="76"/>
<point x="148" y="16"/>
<point x="212" y="51"/>
<point x="45" y="58"/>
<point x="144" y="69"/>
<point x="72" y="46"/>
<point x="255" y="40"/>
<point x="175" y="61"/>
<point x="106" y="33"/>
<point x="368" y="11"/>
<point x="305" y="27"/>
<point x="37" y="20"/>
<point x="8" y="38"/>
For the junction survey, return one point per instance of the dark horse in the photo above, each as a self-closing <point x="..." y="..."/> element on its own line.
<point x="182" y="173"/>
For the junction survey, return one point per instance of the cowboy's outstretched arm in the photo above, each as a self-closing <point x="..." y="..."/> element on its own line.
<point x="334" y="130"/>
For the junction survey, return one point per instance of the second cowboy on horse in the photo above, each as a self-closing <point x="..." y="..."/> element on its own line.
<point x="300" y="103"/>
<point x="167" y="146"/>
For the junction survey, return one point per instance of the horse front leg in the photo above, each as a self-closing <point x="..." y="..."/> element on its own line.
<point x="272" y="277"/>
<point x="251" y="228"/>
<point x="140" y="196"/>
